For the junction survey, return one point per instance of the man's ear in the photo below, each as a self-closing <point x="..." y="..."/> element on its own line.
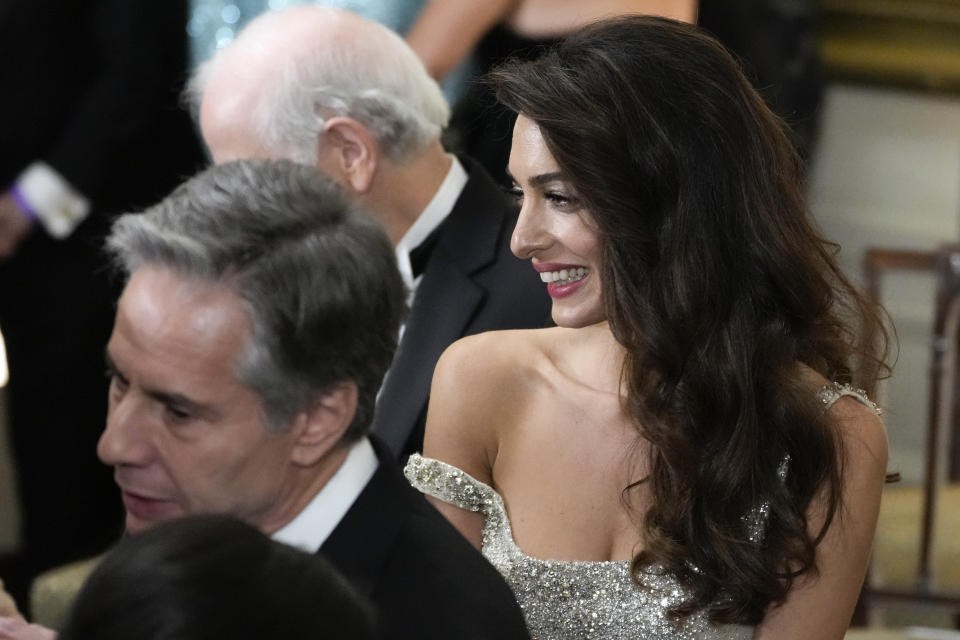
<point x="320" y="427"/>
<point x="352" y="149"/>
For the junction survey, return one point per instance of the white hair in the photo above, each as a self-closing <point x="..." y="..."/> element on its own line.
<point x="375" y="79"/>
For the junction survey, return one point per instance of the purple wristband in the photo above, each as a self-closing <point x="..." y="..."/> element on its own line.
<point x="28" y="212"/>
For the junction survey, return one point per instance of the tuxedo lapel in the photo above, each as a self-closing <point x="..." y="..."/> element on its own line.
<point x="361" y="544"/>
<point x="444" y="304"/>
<point x="447" y="299"/>
<point x="421" y="575"/>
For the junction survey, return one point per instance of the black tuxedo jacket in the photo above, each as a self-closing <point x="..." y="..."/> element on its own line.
<point x="424" y="579"/>
<point x="472" y="283"/>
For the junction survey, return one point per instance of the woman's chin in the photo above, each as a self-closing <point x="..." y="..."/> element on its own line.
<point x="575" y="320"/>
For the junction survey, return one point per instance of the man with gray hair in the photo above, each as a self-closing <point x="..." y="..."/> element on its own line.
<point x="327" y="88"/>
<point x="260" y="313"/>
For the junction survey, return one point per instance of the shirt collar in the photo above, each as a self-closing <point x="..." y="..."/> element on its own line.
<point x="312" y="526"/>
<point x="430" y="218"/>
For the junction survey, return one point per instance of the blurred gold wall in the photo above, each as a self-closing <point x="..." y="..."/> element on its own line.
<point x="906" y="43"/>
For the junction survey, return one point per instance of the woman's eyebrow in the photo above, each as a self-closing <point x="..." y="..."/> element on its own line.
<point x="544" y="178"/>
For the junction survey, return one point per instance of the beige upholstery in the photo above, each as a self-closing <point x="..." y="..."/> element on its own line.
<point x="53" y="592"/>
<point x="897" y="547"/>
<point x="876" y="634"/>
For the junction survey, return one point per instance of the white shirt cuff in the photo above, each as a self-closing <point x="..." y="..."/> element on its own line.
<point x="58" y="206"/>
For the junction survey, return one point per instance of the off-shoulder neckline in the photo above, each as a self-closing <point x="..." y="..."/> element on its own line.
<point x="501" y="511"/>
<point x="828" y="394"/>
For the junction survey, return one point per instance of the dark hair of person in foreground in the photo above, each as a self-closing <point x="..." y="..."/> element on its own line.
<point x="213" y="578"/>
<point x="717" y="284"/>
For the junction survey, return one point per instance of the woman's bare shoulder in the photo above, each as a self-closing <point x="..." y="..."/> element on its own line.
<point x="482" y="384"/>
<point x="497" y="357"/>
<point x="864" y="435"/>
<point x="820" y="604"/>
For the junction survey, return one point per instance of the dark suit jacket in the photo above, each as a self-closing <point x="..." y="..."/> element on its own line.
<point x="424" y="579"/>
<point x="471" y="284"/>
<point x="91" y="87"/>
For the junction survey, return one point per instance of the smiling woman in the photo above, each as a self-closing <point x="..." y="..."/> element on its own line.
<point x="555" y="230"/>
<point x="671" y="460"/>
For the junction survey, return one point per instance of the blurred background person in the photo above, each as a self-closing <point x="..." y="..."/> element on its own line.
<point x="459" y="40"/>
<point x="215" y="23"/>
<point x="447" y="31"/>
<point x="90" y="127"/>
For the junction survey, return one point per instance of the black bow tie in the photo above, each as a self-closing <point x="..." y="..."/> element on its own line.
<point x="420" y="255"/>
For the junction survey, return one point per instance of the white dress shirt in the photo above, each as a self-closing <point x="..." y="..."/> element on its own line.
<point x="55" y="203"/>
<point x="312" y="526"/>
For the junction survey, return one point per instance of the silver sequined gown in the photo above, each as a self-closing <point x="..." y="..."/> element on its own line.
<point x="579" y="600"/>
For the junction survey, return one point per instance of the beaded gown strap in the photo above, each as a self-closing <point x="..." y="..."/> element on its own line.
<point x="828" y="394"/>
<point x="448" y="483"/>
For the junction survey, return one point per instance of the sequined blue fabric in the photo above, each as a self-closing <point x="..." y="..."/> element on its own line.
<point x="585" y="600"/>
<point x="214" y="23"/>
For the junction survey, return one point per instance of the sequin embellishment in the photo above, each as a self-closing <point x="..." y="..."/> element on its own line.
<point x="561" y="600"/>
<point x="830" y="393"/>
<point x="564" y="600"/>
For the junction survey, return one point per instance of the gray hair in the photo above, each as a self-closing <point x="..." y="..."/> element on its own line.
<point x="377" y="80"/>
<point x="319" y="277"/>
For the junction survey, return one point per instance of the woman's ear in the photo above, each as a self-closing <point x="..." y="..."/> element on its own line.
<point x="348" y="149"/>
<point x="320" y="427"/>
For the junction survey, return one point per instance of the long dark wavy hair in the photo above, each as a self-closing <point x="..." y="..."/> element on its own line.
<point x="719" y="286"/>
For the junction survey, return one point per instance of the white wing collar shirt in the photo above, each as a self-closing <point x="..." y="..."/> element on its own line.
<point x="433" y="215"/>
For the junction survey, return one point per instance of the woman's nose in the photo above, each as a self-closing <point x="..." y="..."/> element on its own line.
<point x="529" y="236"/>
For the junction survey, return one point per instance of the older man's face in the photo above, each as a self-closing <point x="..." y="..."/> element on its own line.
<point x="183" y="434"/>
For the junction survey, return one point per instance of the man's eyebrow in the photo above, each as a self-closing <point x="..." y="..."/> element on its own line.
<point x="165" y="397"/>
<point x="178" y="400"/>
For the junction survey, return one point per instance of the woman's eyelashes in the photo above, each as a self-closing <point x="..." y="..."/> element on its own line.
<point x="557" y="199"/>
<point x="560" y="200"/>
